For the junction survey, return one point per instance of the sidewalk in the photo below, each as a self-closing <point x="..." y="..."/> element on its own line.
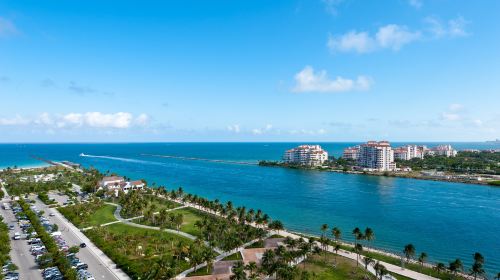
<point x="108" y="263"/>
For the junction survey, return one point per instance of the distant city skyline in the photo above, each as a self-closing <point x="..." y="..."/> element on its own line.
<point x="253" y="71"/>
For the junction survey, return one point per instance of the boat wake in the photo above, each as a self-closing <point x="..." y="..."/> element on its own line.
<point x="123" y="159"/>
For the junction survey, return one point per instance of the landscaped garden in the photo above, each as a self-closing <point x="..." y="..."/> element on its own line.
<point x="90" y="214"/>
<point x="148" y="253"/>
<point x="331" y="267"/>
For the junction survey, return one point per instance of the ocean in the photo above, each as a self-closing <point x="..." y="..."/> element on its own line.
<point x="445" y="220"/>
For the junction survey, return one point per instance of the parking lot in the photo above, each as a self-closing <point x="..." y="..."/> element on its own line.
<point x="20" y="252"/>
<point x="86" y="255"/>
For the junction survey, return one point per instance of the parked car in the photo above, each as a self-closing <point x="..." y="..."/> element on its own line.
<point x="83" y="245"/>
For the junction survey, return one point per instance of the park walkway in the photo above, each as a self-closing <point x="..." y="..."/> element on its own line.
<point x="119" y="217"/>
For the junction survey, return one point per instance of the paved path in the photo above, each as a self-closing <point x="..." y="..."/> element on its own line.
<point x="100" y="265"/>
<point x="177" y="232"/>
<point x="390" y="267"/>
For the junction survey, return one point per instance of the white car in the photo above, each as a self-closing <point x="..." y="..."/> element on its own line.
<point x="52" y="214"/>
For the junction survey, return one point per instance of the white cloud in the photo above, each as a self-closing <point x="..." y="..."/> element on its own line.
<point x="320" y="131"/>
<point x="265" y="129"/>
<point x="417" y="4"/>
<point x="450" y="116"/>
<point x="390" y="36"/>
<point x="142" y="119"/>
<point x="360" y="42"/>
<point x="257" y="131"/>
<point x="7" y="28"/>
<point x="452" y="28"/>
<point x="309" y="81"/>
<point x="331" y="6"/>
<point x="394" y="36"/>
<point x="234" y="128"/>
<point x="456" y="107"/>
<point x="117" y="120"/>
<point x="120" y="120"/>
<point x="14" y="121"/>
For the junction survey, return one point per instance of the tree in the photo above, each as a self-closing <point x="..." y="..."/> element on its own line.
<point x="276" y="225"/>
<point x="455" y="266"/>
<point x="368" y="261"/>
<point x="497" y="277"/>
<point x="358" y="248"/>
<point x="251" y="267"/>
<point x="369" y="235"/>
<point x="439" y="267"/>
<point x="422" y="258"/>
<point x="409" y="252"/>
<point x="336" y="233"/>
<point x="238" y="271"/>
<point x="477" y="267"/>
<point x="74" y="249"/>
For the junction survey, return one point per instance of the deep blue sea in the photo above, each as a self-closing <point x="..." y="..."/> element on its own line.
<point x="445" y="220"/>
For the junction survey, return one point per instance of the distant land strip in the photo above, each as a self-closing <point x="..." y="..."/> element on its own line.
<point x="203" y="159"/>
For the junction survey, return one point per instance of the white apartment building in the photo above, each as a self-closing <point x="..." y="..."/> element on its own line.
<point x="445" y="150"/>
<point x="351" y="153"/>
<point x="409" y="151"/>
<point x="377" y="156"/>
<point x="312" y="155"/>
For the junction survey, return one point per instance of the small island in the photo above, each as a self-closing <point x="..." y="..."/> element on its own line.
<point x="442" y="163"/>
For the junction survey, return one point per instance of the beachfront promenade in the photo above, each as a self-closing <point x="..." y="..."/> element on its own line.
<point x="390" y="267"/>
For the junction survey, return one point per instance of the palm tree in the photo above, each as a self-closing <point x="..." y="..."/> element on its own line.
<point x="208" y="257"/>
<point x="422" y="258"/>
<point x="238" y="271"/>
<point x="477" y="266"/>
<point x="409" y="252"/>
<point x="251" y="267"/>
<point x="455" y="266"/>
<point x="358" y="248"/>
<point x="368" y="261"/>
<point x="336" y="233"/>
<point x="369" y="234"/>
<point x="439" y="267"/>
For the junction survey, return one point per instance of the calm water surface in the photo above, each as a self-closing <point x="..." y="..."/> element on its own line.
<point x="446" y="220"/>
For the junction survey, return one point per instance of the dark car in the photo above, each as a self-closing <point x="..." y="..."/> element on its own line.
<point x="83" y="245"/>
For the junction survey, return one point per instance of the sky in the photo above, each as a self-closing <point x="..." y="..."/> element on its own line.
<point x="259" y="70"/>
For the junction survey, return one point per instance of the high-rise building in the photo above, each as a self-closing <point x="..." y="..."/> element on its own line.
<point x="351" y="153"/>
<point x="312" y="155"/>
<point x="409" y="151"/>
<point x="377" y="156"/>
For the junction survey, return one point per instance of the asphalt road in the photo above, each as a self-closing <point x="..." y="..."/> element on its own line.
<point x="98" y="269"/>
<point x="20" y="250"/>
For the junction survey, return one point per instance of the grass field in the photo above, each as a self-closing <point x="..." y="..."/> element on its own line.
<point x="411" y="266"/>
<point x="135" y="250"/>
<point x="233" y="257"/>
<point x="103" y="215"/>
<point x="320" y="269"/>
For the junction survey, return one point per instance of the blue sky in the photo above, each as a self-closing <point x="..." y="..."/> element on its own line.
<point x="331" y="70"/>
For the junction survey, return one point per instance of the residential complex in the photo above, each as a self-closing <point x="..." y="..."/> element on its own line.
<point x="409" y="151"/>
<point x="312" y="155"/>
<point x="117" y="183"/>
<point x="380" y="156"/>
<point x="376" y="156"/>
<point x="351" y="153"/>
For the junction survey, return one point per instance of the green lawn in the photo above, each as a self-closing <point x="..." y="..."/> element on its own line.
<point x="134" y="249"/>
<point x="201" y="272"/>
<point x="411" y="266"/>
<point x="234" y="257"/>
<point x="103" y="215"/>
<point x="319" y="269"/>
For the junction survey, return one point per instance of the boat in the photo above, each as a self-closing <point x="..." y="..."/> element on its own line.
<point x="82" y="154"/>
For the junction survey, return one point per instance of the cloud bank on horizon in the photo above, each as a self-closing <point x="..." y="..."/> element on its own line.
<point x="332" y="70"/>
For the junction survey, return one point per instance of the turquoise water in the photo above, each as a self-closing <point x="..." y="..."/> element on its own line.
<point x="446" y="220"/>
